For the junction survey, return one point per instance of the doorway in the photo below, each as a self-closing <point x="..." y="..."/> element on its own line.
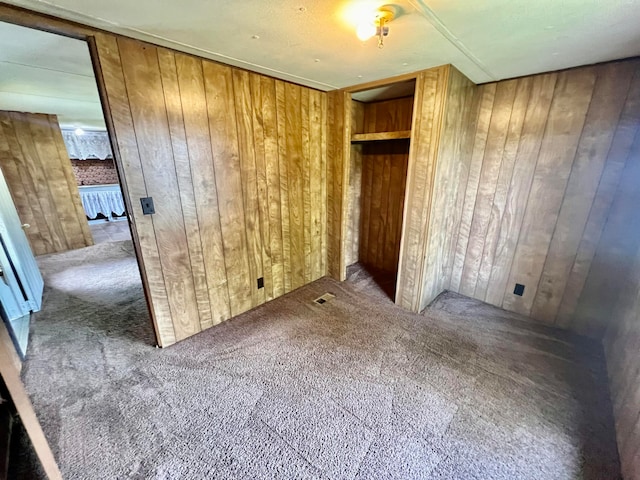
<point x="381" y="129"/>
<point x="56" y="159"/>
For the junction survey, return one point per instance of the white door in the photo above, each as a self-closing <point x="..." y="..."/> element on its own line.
<point x="21" y="284"/>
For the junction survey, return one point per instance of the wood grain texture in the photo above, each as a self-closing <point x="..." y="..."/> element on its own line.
<point x="383" y="179"/>
<point x="494" y="150"/>
<point x="236" y="164"/>
<point x="448" y="186"/>
<point x="272" y="177"/>
<point x="18" y="394"/>
<point x="616" y="159"/>
<point x="479" y="131"/>
<point x="564" y="126"/>
<point x="430" y="94"/>
<point x="540" y="186"/>
<point x="378" y="136"/>
<point x="146" y="99"/>
<point x="612" y="295"/>
<point x="200" y="168"/>
<point x="171" y="89"/>
<point x="595" y="143"/>
<point x="38" y="172"/>
<point x="338" y="173"/>
<point x="118" y="116"/>
<point x="249" y="180"/>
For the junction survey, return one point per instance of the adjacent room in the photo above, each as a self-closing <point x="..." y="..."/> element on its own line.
<point x="341" y="240"/>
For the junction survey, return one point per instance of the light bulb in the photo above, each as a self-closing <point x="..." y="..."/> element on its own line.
<point x="365" y="31"/>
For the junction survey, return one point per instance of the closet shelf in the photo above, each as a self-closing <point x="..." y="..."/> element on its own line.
<point x="372" y="137"/>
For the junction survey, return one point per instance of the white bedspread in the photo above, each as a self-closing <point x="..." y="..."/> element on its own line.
<point x="103" y="200"/>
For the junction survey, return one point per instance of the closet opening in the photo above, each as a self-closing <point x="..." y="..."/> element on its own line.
<point x="381" y="121"/>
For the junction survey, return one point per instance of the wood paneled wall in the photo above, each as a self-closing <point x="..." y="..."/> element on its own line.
<point x="547" y="154"/>
<point x="383" y="179"/>
<point x="612" y="295"/>
<point x="443" y="100"/>
<point x="384" y="176"/>
<point x="354" y="194"/>
<point x="338" y="181"/>
<point x="451" y="174"/>
<point x="36" y="166"/>
<point x="236" y="164"/>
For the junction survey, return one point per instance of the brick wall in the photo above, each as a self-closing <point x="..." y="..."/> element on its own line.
<point x="94" y="172"/>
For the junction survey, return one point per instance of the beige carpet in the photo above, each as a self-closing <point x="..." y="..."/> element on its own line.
<point x="351" y="389"/>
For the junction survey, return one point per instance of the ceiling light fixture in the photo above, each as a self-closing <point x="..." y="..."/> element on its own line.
<point x="78" y="131"/>
<point x="378" y="26"/>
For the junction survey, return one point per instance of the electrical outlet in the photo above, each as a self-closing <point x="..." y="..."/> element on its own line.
<point x="147" y="206"/>
<point x="519" y="290"/>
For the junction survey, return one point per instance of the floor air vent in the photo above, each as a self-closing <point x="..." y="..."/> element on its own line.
<point x="324" y="298"/>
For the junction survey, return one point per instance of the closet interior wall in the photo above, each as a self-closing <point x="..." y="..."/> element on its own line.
<point x="377" y="185"/>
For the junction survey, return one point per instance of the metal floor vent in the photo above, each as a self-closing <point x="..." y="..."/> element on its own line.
<point x="324" y="298"/>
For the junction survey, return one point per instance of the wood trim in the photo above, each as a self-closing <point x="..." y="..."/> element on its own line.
<point x="47" y="23"/>
<point x="20" y="398"/>
<point x="373" y="137"/>
<point x="431" y="88"/>
<point x="338" y="150"/>
<point x="381" y="83"/>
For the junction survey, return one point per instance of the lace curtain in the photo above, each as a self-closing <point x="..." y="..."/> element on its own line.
<point x="90" y="145"/>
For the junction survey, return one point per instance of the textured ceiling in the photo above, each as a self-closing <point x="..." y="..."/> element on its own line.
<point x="313" y="42"/>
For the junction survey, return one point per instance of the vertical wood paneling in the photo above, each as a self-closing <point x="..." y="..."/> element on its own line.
<point x="537" y="208"/>
<point x="273" y="181"/>
<point x="383" y="179"/>
<point x="249" y="180"/>
<point x="283" y="167"/>
<point x="148" y="111"/>
<point x="38" y="172"/>
<point x="597" y="135"/>
<point x="306" y="182"/>
<point x="384" y="166"/>
<point x="295" y="184"/>
<point x="338" y="170"/>
<point x="262" y="182"/>
<point x="427" y="121"/>
<point x="354" y="208"/>
<point x="448" y="187"/>
<point x="494" y="150"/>
<point x="559" y="144"/>
<point x="236" y="164"/>
<point x="196" y="126"/>
<point x="612" y="294"/>
<point x="23" y="194"/>
<point x="616" y="159"/>
<point x="504" y="180"/>
<point x="226" y="162"/>
<point x="167" y="63"/>
<point x="486" y="93"/>
<point x="529" y="144"/>
<point x="316" y="169"/>
<point x="134" y="187"/>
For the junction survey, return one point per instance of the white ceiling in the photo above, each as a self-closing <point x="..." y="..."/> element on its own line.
<point x="45" y="73"/>
<point x="313" y="42"/>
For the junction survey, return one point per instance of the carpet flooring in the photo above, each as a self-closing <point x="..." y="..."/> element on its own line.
<point x="352" y="389"/>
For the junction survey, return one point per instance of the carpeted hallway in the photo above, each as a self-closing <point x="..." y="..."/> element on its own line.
<point x="352" y="389"/>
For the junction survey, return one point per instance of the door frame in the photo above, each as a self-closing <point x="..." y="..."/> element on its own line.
<point x="47" y="23"/>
